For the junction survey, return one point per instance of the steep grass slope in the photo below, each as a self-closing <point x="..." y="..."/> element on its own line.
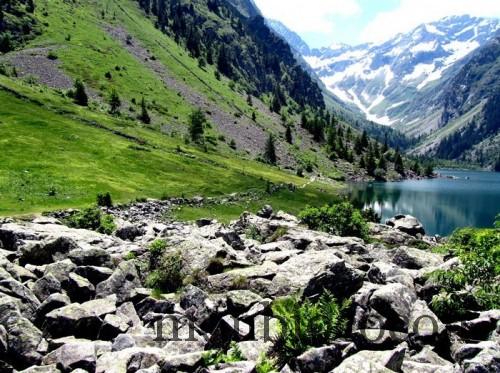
<point x="55" y="154"/>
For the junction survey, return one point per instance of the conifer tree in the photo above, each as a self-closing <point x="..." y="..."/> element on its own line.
<point x="144" y="117"/>
<point x="114" y="102"/>
<point x="288" y="135"/>
<point x="79" y="95"/>
<point x="270" y="150"/>
<point x="382" y="163"/>
<point x="429" y="170"/>
<point x="385" y="147"/>
<point x="370" y="164"/>
<point x="364" y="140"/>
<point x="197" y="122"/>
<point x="398" y="163"/>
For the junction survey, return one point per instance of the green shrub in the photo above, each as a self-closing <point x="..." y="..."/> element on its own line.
<point x="156" y="249"/>
<point x="215" y="357"/>
<point x="474" y="284"/>
<point x="253" y="233"/>
<point x="341" y="219"/>
<point x="304" y="324"/>
<point x="130" y="256"/>
<point x="104" y="200"/>
<point x="108" y="225"/>
<point x="169" y="275"/>
<point x="265" y="365"/>
<point x="92" y="218"/>
<point x="369" y="214"/>
<point x="52" y="55"/>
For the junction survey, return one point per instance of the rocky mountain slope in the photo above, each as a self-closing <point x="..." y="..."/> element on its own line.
<point x="385" y="80"/>
<point x="431" y="83"/>
<point x="78" y="300"/>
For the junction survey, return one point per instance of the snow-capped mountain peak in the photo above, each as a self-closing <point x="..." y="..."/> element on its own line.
<point x="382" y="79"/>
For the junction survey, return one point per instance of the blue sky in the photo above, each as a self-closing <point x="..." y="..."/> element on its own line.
<point x="325" y="22"/>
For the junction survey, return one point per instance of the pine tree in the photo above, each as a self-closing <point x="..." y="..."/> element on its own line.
<point x="364" y="140"/>
<point x="275" y="105"/>
<point x="385" y="147"/>
<point x="30" y="6"/>
<point x="429" y="170"/>
<point x="362" y="162"/>
<point x="223" y="64"/>
<point x="370" y="164"/>
<point x="416" y="168"/>
<point x="382" y="164"/>
<point x="79" y="95"/>
<point x="303" y="120"/>
<point x="114" y="102"/>
<point x="144" y="117"/>
<point x="398" y="164"/>
<point x="497" y="165"/>
<point x="331" y="139"/>
<point x="288" y="135"/>
<point x="270" y="151"/>
<point x="197" y="122"/>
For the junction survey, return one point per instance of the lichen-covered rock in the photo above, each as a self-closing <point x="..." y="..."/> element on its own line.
<point x="124" y="282"/>
<point x="24" y="341"/>
<point x="82" y="320"/>
<point x="322" y="359"/>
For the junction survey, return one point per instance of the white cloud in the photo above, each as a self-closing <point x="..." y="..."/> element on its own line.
<point x="412" y="13"/>
<point x="310" y="15"/>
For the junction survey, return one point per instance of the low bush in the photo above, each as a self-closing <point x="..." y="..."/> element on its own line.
<point x="341" y="219"/>
<point x="253" y="233"/>
<point x="104" y="200"/>
<point x="304" y="324"/>
<point x="168" y="276"/>
<point x="156" y="249"/>
<point x="93" y="219"/>
<point x="369" y="214"/>
<point x="265" y="365"/>
<point x="474" y="284"/>
<point x="215" y="357"/>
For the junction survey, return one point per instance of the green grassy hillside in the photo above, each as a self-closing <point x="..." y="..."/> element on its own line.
<point x="55" y="154"/>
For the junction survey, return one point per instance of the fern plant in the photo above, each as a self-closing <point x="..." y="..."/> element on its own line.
<point x="304" y="324"/>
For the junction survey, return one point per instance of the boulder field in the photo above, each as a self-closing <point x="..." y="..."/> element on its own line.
<point x="74" y="300"/>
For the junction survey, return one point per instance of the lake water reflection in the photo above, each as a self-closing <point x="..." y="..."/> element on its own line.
<point x="472" y="198"/>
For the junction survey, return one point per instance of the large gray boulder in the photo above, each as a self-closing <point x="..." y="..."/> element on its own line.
<point x="47" y="252"/>
<point x="93" y="256"/>
<point x="412" y="258"/>
<point x="28" y="302"/>
<point x="81" y="320"/>
<point x="46" y="286"/>
<point x="24" y="341"/>
<point x="124" y="282"/>
<point x="79" y="354"/>
<point x="407" y="224"/>
<point x="373" y="361"/>
<point x="313" y="272"/>
<point x="322" y="359"/>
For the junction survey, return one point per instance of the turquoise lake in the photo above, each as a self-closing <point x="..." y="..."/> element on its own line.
<point x="469" y="198"/>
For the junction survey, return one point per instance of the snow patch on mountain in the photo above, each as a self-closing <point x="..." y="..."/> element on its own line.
<point x="380" y="78"/>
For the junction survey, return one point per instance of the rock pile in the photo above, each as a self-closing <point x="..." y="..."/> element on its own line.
<point x="75" y="300"/>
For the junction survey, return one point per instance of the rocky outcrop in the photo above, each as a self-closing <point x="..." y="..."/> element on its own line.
<point x="75" y="300"/>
